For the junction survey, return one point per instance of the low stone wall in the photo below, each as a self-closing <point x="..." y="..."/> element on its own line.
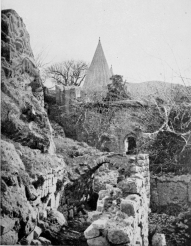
<point x="170" y="194"/>
<point x="121" y="217"/>
<point x="78" y="191"/>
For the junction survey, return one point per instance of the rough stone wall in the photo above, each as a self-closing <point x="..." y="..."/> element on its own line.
<point x="29" y="188"/>
<point x="113" y="136"/>
<point x="170" y="194"/>
<point x="121" y="217"/>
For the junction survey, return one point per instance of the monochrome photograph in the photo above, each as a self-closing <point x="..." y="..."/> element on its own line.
<point x="95" y="122"/>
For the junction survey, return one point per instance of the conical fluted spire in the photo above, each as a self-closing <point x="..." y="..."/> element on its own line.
<point x="98" y="75"/>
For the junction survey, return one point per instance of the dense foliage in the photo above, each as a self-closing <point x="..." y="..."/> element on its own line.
<point x="117" y="90"/>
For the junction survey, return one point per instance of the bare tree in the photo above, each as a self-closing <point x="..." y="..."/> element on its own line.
<point x="68" y="72"/>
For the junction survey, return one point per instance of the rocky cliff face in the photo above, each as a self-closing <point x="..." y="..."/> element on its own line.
<point x="23" y="116"/>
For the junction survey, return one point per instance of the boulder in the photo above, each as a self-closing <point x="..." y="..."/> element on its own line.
<point x="55" y="215"/>
<point x="37" y="232"/>
<point x="158" y="240"/>
<point x="117" y="236"/>
<point x="128" y="207"/>
<point x="98" y="241"/>
<point x="100" y="224"/>
<point x="91" y="232"/>
<point x="9" y="238"/>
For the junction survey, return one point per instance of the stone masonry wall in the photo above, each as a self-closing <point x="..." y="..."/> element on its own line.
<point x="29" y="188"/>
<point x="170" y="194"/>
<point x="121" y="217"/>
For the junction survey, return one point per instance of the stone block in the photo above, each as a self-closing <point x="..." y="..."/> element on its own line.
<point x="100" y="224"/>
<point x="141" y="163"/>
<point x="137" y="176"/>
<point x="100" y="205"/>
<point x="117" y="236"/>
<point x="94" y="215"/>
<point x="6" y="224"/>
<point x="142" y="156"/>
<point x="172" y="193"/>
<point x="128" y="207"/>
<point x="91" y="232"/>
<point x="30" y="237"/>
<point x="59" y="217"/>
<point x="36" y="242"/>
<point x="37" y="232"/>
<point x="136" y="198"/>
<point x="135" y="169"/>
<point x="103" y="193"/>
<point x="9" y="238"/>
<point x="129" y="221"/>
<point x="132" y="159"/>
<point x="71" y="214"/>
<point x="158" y="240"/>
<point x="130" y="185"/>
<point x="98" y="241"/>
<point x="44" y="241"/>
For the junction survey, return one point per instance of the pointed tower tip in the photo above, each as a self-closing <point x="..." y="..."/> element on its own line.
<point x="98" y="74"/>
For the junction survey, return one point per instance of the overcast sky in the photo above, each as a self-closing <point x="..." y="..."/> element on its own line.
<point x="143" y="40"/>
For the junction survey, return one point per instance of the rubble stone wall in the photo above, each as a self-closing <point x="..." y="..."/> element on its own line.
<point x="29" y="188"/>
<point x="121" y="217"/>
<point x="170" y="194"/>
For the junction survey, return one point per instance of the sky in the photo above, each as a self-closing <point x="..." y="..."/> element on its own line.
<point x="142" y="40"/>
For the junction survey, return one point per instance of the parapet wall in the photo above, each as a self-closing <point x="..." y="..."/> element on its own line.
<point x="121" y="217"/>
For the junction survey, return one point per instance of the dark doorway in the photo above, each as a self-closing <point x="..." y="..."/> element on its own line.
<point x="131" y="149"/>
<point x="92" y="202"/>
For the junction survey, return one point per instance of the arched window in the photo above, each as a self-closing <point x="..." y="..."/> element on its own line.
<point x="130" y="145"/>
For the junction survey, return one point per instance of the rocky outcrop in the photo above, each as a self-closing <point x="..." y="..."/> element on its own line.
<point x="23" y="118"/>
<point x="57" y="129"/>
<point x="121" y="217"/>
<point x="29" y="187"/>
<point x="17" y="56"/>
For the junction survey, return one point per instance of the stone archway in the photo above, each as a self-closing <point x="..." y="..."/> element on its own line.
<point x="130" y="145"/>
